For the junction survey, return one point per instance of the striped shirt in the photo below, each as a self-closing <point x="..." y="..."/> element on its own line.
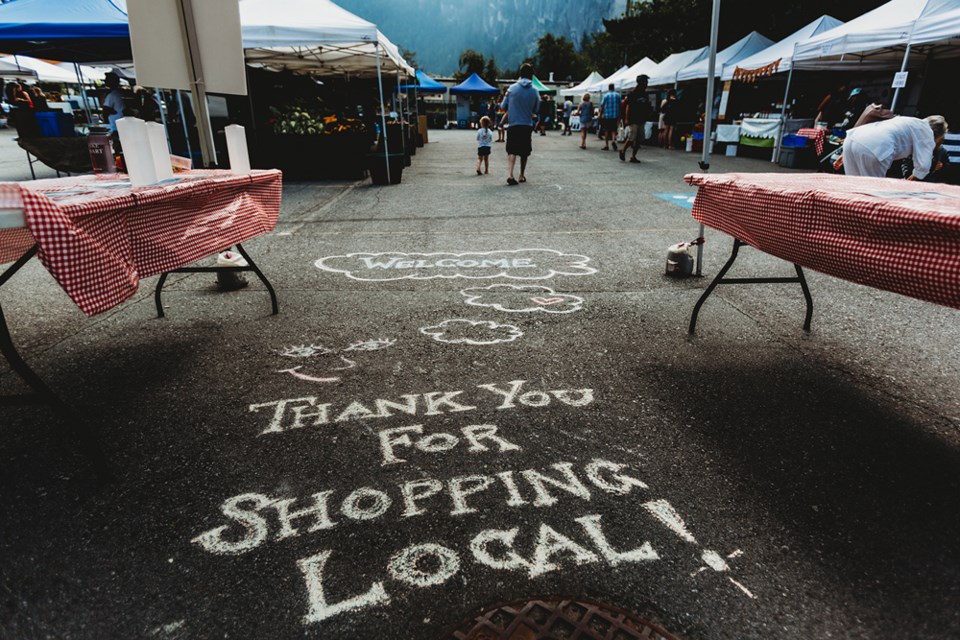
<point x="611" y="105"/>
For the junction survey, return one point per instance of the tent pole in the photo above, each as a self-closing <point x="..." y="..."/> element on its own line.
<point x="208" y="151"/>
<point x="783" y="111"/>
<point x="708" y="124"/>
<point x="83" y="93"/>
<point x="403" y="136"/>
<point x="183" y="121"/>
<point x="903" y="67"/>
<point x="163" y="118"/>
<point x="383" y="117"/>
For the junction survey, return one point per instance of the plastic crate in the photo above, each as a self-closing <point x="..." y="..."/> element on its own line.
<point x="55" y="124"/>
<point x="791" y="140"/>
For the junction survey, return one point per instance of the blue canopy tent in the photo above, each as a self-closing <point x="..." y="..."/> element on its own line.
<point x="474" y="85"/>
<point x="425" y="84"/>
<point x="71" y="30"/>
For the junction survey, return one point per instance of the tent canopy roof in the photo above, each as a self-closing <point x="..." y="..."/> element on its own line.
<point x="314" y="36"/>
<point x="44" y="71"/>
<point x="601" y="85"/>
<point x="425" y="84"/>
<point x="881" y="34"/>
<point x="645" y="67"/>
<point x="582" y="88"/>
<point x="542" y="88"/>
<point x="474" y="84"/>
<point x="747" y="46"/>
<point x="782" y="50"/>
<point x="666" y="71"/>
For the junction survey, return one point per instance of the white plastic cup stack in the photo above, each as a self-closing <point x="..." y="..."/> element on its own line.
<point x="159" y="151"/>
<point x="237" y="148"/>
<point x="136" y="151"/>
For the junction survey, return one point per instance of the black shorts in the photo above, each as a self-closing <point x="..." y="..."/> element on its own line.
<point x="518" y="140"/>
<point x="483" y="151"/>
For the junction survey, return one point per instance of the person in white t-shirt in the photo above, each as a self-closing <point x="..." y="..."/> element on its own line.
<point x="113" y="102"/>
<point x="871" y="149"/>
<point x="484" y="142"/>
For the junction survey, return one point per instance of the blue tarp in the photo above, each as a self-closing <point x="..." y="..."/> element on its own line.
<point x="70" y="30"/>
<point x="474" y="84"/>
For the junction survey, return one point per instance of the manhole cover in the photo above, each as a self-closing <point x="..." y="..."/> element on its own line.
<point x="556" y="618"/>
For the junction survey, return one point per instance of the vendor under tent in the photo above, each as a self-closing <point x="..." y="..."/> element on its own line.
<point x="541" y="88"/>
<point x="583" y="87"/>
<point x="745" y="47"/>
<point x="44" y="71"/>
<point x="474" y="85"/>
<point x="666" y="72"/>
<point x="777" y="58"/>
<point x="645" y="67"/>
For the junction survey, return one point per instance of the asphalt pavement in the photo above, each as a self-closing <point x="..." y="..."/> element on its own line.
<point x="477" y="393"/>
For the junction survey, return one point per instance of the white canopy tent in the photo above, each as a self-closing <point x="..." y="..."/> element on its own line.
<point x="666" y="71"/>
<point x="89" y="75"/>
<point x="881" y="35"/>
<point x="8" y="70"/>
<point x="44" y="71"/>
<point x="316" y="37"/>
<point x="645" y="67"/>
<point x="597" y="87"/>
<point x="745" y="47"/>
<point x="780" y="55"/>
<point x="583" y="87"/>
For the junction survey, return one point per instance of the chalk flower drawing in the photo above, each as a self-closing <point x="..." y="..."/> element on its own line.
<point x="476" y="332"/>
<point x="518" y="264"/>
<point x="304" y="351"/>
<point x="522" y="299"/>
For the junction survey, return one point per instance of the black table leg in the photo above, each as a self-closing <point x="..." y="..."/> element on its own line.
<point x="720" y="279"/>
<point x="251" y="266"/>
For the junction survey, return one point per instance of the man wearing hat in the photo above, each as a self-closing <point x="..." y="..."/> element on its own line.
<point x="638" y="111"/>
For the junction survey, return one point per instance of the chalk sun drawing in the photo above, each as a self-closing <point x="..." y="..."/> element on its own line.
<point x="517" y="299"/>
<point x="517" y="264"/>
<point x="305" y="351"/>
<point x="473" y="332"/>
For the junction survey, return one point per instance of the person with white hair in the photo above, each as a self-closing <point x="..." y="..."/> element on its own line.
<point x="871" y="149"/>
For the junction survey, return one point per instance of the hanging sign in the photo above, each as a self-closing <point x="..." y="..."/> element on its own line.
<point x="724" y="99"/>
<point x="900" y="79"/>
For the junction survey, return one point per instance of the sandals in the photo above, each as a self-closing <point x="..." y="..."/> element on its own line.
<point x="512" y="182"/>
<point x="522" y="179"/>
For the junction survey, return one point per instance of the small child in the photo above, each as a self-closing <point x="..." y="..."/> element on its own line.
<point x="484" y="140"/>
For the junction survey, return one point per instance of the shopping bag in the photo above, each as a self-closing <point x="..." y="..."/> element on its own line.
<point x="621" y="134"/>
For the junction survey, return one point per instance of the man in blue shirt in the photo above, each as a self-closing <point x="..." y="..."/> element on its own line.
<point x="521" y="103"/>
<point x="610" y="115"/>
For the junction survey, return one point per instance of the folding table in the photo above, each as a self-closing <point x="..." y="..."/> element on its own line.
<point x="896" y="235"/>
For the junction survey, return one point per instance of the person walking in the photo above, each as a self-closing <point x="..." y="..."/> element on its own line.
<point x="668" y="119"/>
<point x="567" y="112"/>
<point x="484" y="142"/>
<point x="547" y="107"/>
<point x="610" y="110"/>
<point x="521" y="103"/>
<point x="639" y="111"/>
<point x="501" y="120"/>
<point x="585" y="113"/>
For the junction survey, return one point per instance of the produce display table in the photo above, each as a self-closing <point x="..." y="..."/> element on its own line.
<point x="889" y="234"/>
<point x="98" y="237"/>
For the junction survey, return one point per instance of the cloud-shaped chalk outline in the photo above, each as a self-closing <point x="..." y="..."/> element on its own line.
<point x="577" y="265"/>
<point x="566" y="303"/>
<point x="441" y="331"/>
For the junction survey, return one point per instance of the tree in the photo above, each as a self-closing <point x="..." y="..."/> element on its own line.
<point x="559" y="56"/>
<point x="410" y="57"/>
<point x="470" y="61"/>
<point x="490" y="71"/>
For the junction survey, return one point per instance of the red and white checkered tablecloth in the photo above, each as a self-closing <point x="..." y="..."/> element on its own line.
<point x="98" y="237"/>
<point x="896" y="235"/>
<point x="817" y="135"/>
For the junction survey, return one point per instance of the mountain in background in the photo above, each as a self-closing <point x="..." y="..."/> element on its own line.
<point x="439" y="30"/>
